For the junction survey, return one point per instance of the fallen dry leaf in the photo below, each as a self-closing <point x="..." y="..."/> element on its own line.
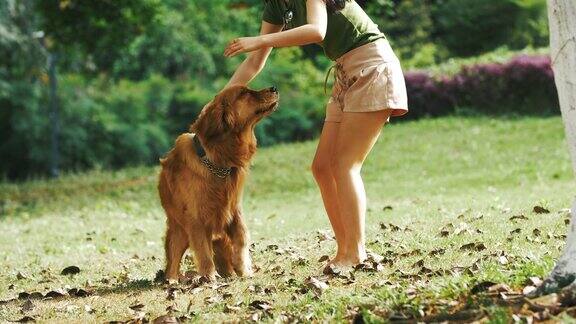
<point x="78" y="292"/>
<point x="261" y="305"/>
<point x="528" y="290"/>
<point x="26" y="319"/>
<point x="27" y="306"/>
<point x="437" y="252"/>
<point x="71" y="270"/>
<point x="324" y="258"/>
<point x="500" y="288"/>
<point x="56" y="293"/>
<point x="21" y="275"/>
<point x="503" y="260"/>
<point x="518" y="217"/>
<point x="473" y="246"/>
<point x="316" y="285"/>
<point x="231" y="308"/>
<point x="322" y="236"/>
<point x="418" y="264"/>
<point x="391" y="227"/>
<point x="136" y="306"/>
<point x="165" y="319"/>
<point x="535" y="281"/>
<point x="33" y="295"/>
<point x="88" y="309"/>
<point x="540" y="210"/>
<point x="481" y="287"/>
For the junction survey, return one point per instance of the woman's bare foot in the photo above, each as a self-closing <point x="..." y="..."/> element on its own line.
<point x="345" y="262"/>
<point x="350" y="260"/>
<point x="337" y="259"/>
<point x="353" y="257"/>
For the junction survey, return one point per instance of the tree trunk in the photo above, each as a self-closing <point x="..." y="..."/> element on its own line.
<point x="562" y="17"/>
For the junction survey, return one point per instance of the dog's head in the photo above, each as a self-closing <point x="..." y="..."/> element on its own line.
<point x="233" y="111"/>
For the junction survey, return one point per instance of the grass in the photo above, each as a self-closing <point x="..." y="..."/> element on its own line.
<point x="466" y="175"/>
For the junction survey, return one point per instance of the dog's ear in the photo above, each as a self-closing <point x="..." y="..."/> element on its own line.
<point x="215" y="119"/>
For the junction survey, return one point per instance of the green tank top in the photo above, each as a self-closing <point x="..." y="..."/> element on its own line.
<point x="347" y="29"/>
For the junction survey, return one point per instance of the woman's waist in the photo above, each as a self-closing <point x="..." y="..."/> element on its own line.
<point x="373" y="53"/>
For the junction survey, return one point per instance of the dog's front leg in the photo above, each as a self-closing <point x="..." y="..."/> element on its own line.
<point x="238" y="233"/>
<point x="201" y="244"/>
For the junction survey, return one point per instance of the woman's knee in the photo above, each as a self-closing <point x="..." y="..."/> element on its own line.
<point x="321" y="169"/>
<point x="342" y="168"/>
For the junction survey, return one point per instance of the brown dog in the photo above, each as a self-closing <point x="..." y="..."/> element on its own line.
<point x="202" y="196"/>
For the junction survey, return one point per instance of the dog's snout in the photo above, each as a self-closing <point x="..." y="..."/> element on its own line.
<point x="273" y="89"/>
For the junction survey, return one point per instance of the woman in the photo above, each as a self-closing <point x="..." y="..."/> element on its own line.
<point x="368" y="90"/>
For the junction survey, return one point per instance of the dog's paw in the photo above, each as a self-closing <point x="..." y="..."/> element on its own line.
<point x="198" y="280"/>
<point x="245" y="271"/>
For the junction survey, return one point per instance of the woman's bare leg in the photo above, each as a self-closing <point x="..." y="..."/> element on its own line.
<point x="322" y="170"/>
<point x="356" y="136"/>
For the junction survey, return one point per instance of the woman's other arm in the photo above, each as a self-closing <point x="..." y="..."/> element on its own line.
<point x="313" y="32"/>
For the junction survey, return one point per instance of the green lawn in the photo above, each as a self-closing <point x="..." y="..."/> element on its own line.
<point x="468" y="176"/>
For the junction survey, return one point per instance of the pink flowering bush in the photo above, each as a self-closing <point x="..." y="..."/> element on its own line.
<point x="522" y="86"/>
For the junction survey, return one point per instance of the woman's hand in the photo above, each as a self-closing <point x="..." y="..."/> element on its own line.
<point x="243" y="45"/>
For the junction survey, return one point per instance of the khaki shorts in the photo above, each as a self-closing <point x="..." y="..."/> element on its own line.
<point x="368" y="78"/>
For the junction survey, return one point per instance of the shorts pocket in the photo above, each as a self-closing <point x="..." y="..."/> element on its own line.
<point x="371" y="88"/>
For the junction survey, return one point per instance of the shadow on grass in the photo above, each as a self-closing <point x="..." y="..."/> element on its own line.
<point x="131" y="286"/>
<point x="139" y="285"/>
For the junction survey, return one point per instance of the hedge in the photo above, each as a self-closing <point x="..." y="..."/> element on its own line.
<point x="522" y="86"/>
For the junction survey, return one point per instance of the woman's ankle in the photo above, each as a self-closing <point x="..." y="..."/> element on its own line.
<point x="355" y="254"/>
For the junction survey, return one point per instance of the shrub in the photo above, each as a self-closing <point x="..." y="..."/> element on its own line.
<point x="524" y="85"/>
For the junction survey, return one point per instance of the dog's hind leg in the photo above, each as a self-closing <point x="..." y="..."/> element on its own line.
<point x="175" y="245"/>
<point x="239" y="236"/>
<point x="201" y="244"/>
<point x="223" y="256"/>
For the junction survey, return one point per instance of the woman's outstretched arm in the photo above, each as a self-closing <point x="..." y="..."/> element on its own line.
<point x="255" y="61"/>
<point x="313" y="32"/>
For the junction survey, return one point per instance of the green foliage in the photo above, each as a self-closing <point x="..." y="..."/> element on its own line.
<point x="114" y="125"/>
<point x="532" y="27"/>
<point x="470" y="27"/>
<point x="409" y="27"/>
<point x="186" y="41"/>
<point x="22" y="116"/>
<point x="105" y="124"/>
<point x="425" y="32"/>
<point x="134" y="74"/>
<point x="100" y="28"/>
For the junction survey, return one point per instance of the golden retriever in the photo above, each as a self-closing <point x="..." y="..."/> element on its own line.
<point x="202" y="197"/>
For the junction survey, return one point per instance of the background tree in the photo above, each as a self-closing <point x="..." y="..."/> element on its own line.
<point x="21" y="78"/>
<point x="562" y="15"/>
<point x="100" y="29"/>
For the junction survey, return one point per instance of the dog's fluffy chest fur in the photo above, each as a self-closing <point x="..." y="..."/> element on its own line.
<point x="196" y="192"/>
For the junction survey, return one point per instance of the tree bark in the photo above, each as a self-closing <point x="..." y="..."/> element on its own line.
<point x="562" y="17"/>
